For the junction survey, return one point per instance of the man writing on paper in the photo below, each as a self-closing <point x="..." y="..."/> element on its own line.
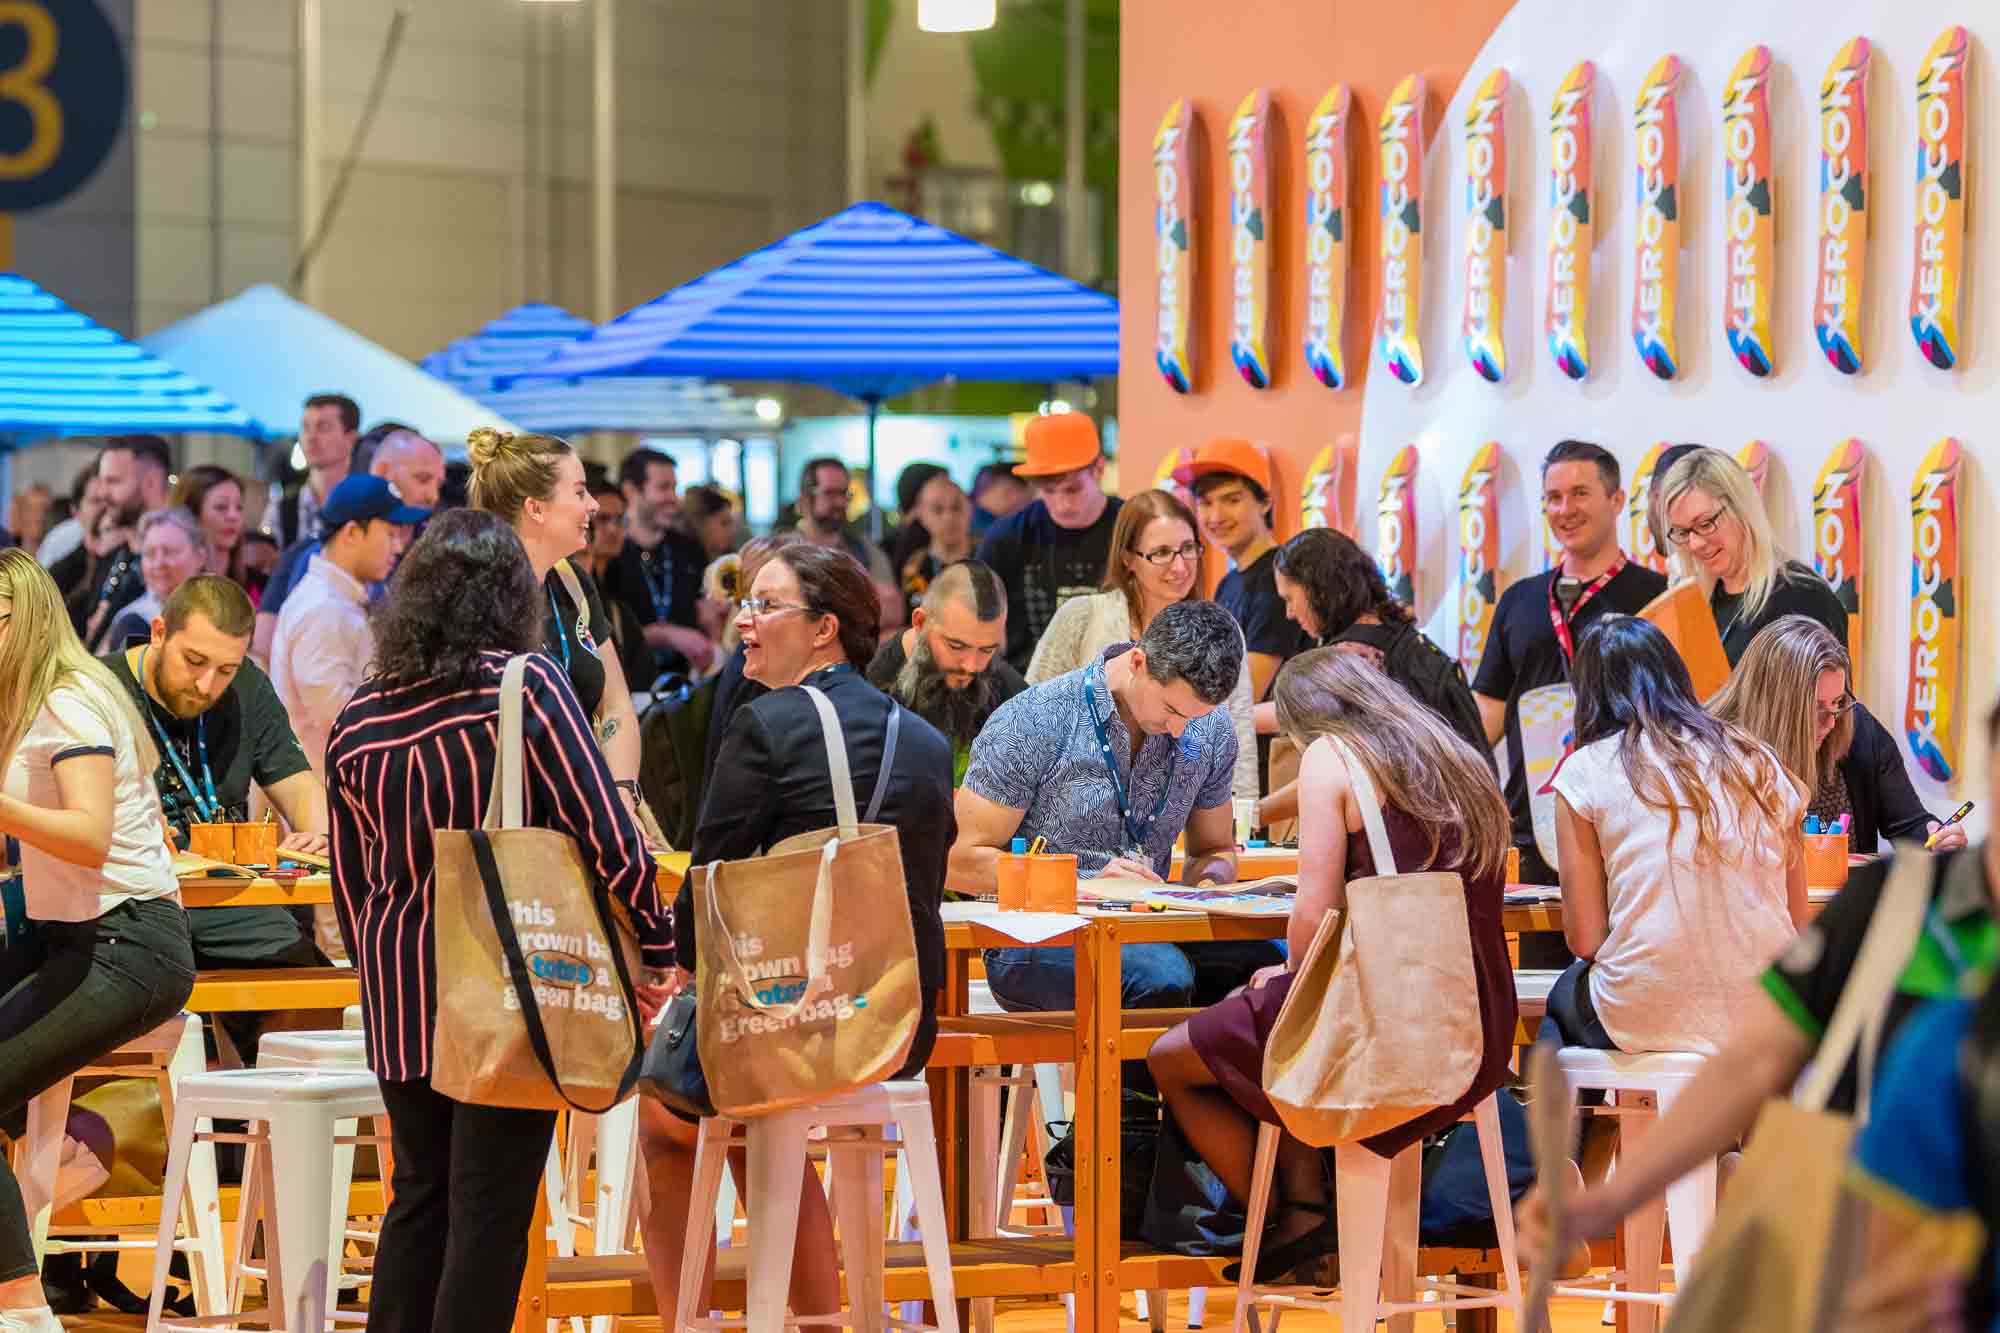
<point x="1112" y="763"/>
<point x="219" y="727"/>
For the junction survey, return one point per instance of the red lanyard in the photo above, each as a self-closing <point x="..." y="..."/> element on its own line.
<point x="1590" y="590"/>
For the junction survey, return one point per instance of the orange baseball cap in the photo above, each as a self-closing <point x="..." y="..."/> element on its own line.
<point x="1238" y="457"/>
<point x="1059" y="443"/>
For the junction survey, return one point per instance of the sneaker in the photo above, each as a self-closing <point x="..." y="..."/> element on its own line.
<point x="79" y="1174"/>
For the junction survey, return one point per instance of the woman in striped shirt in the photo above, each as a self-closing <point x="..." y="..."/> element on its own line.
<point x="414" y="751"/>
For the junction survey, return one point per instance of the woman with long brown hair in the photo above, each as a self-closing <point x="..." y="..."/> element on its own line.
<point x="1155" y="561"/>
<point x="1793" y="691"/>
<point x="214" y="495"/>
<point x="1443" y="811"/>
<point x="1682" y="864"/>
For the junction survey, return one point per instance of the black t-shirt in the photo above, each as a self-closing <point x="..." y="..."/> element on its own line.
<point x="246" y="736"/>
<point x="1432" y="676"/>
<point x="1251" y="595"/>
<point x="1798" y="591"/>
<point x="578" y="652"/>
<point x="1523" y="653"/>
<point x="659" y="585"/>
<point x="1043" y="565"/>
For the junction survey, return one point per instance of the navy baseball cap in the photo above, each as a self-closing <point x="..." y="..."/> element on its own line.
<point x="361" y="498"/>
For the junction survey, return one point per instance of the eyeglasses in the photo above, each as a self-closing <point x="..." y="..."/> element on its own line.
<point x="1701" y="527"/>
<point x="764" y="606"/>
<point x="1840" y="707"/>
<point x="1166" y="555"/>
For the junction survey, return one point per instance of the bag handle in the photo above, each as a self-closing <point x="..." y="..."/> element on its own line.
<point x="573" y="586"/>
<point x="504" y="801"/>
<point x="888" y="762"/>
<point x="836" y="762"/>
<point x="1863" y="1008"/>
<point x="819" y="937"/>
<point x="524" y="987"/>
<point x="1371" y="807"/>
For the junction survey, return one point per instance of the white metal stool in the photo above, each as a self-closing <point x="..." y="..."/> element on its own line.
<point x="1377" y="1202"/>
<point x="1658" y="1077"/>
<point x="855" y="1147"/>
<point x="169" y="1054"/>
<point x="298" y="1117"/>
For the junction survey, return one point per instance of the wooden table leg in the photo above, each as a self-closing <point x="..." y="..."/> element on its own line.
<point x="1098" y="1150"/>
<point x="1479" y="1321"/>
<point x="951" y="1104"/>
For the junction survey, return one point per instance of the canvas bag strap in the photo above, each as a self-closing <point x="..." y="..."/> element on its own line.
<point x="888" y="762"/>
<point x="819" y="935"/>
<point x="573" y="586"/>
<point x="1371" y="807"/>
<point x="504" y="800"/>
<point x="1864" y="1001"/>
<point x="836" y="761"/>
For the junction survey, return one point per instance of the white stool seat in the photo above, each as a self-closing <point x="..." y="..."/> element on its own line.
<point x="1533" y="984"/>
<point x="1689" y="1208"/>
<point x="300" y="1119"/>
<point x="855" y="1146"/>
<point x="340" y="1049"/>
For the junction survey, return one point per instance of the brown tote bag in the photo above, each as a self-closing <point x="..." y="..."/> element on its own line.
<point x="535" y="1003"/>
<point x="1786" y="1234"/>
<point x="806" y="959"/>
<point x="1382" y="1022"/>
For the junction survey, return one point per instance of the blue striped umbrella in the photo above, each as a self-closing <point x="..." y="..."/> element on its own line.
<point x="62" y="373"/>
<point x="528" y="334"/>
<point x="871" y="303"/>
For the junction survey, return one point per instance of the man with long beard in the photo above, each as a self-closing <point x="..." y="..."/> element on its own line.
<point x="946" y="668"/>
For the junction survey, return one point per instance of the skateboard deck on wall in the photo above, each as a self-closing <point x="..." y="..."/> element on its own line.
<point x="1326" y="496"/>
<point x="1326" y="236"/>
<point x="1250" y="239"/>
<point x="1937" y="599"/>
<point x="1638" y="495"/>
<point x="1837" y="540"/>
<point x="1656" y="259"/>
<point x="1749" y="214"/>
<point x="1478" y="553"/>
<point x="1401" y="140"/>
<point x="1843" y="207"/>
<point x="1486" y="228"/>
<point x="1936" y="276"/>
<point x="1572" y="222"/>
<point x="1396" y="526"/>
<point x="1173" y="245"/>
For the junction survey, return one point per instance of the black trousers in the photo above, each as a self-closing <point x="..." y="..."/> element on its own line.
<point x="76" y="992"/>
<point x="455" y="1240"/>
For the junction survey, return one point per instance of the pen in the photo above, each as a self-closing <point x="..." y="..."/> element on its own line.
<point x="1956" y="815"/>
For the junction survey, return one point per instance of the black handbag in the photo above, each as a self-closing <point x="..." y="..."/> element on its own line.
<point x="671" y="1071"/>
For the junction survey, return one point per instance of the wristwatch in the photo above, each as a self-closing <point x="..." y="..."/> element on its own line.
<point x="628" y="784"/>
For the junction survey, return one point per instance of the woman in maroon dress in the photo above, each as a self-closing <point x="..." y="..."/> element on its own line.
<point x="1443" y="812"/>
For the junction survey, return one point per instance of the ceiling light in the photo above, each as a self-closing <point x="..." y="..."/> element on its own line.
<point x="769" y="409"/>
<point x="955" y="15"/>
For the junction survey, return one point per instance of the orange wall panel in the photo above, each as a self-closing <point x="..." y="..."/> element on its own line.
<point x="1214" y="52"/>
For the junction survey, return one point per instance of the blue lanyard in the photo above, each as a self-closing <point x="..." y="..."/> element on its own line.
<point x="212" y="807"/>
<point x="1135" y="829"/>
<point x="562" y="635"/>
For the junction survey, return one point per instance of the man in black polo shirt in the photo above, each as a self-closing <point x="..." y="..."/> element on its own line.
<point x="219" y="727"/>
<point x="657" y="576"/>
<point x="1232" y="488"/>
<point x="1539" y="619"/>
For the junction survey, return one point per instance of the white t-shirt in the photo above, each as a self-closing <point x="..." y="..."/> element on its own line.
<point x="1687" y="941"/>
<point x="80" y="717"/>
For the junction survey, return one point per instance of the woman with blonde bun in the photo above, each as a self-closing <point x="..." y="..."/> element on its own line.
<point x="537" y="485"/>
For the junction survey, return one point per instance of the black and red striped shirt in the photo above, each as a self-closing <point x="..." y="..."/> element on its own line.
<point x="404" y="760"/>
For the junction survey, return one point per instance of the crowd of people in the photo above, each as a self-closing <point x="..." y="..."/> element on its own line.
<point x="1032" y="659"/>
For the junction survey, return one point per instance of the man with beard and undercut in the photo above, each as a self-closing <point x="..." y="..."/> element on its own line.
<point x="946" y="668"/>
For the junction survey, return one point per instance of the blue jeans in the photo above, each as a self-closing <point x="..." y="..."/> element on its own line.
<point x="1151" y="976"/>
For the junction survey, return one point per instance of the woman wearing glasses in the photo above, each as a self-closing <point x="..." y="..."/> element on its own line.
<point x="1719" y="534"/>
<point x="1155" y="562"/>
<point x="1683" y="868"/>
<point x="1793" y="691"/>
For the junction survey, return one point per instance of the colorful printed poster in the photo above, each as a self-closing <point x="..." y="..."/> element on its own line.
<point x="1401" y="136"/>
<point x="1756" y="460"/>
<point x="1249" y="238"/>
<point x="1749" y="217"/>
<point x="1940" y="243"/>
<point x="1327" y="495"/>
<point x="1936" y="599"/>
<point x="1837" y="544"/>
<point x="1173" y="245"/>
<point x="1572" y="226"/>
<point x="1656" y="260"/>
<point x="1396" y="526"/>
<point x="1843" y="207"/>
<point x="1552" y="547"/>
<point x="1478" y="553"/>
<point x="1638" y="497"/>
<point x="1163" y="476"/>
<point x="1486" y="228"/>
<point x="1326" y="236"/>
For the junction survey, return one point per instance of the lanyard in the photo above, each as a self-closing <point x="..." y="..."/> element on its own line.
<point x="211" y="807"/>
<point x="1135" y="829"/>
<point x="657" y="567"/>
<point x="1590" y="590"/>
<point x="562" y="636"/>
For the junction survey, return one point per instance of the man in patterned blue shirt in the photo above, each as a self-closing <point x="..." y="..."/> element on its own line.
<point x="1113" y="762"/>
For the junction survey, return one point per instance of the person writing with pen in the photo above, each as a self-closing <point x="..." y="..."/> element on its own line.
<point x="1113" y="762"/>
